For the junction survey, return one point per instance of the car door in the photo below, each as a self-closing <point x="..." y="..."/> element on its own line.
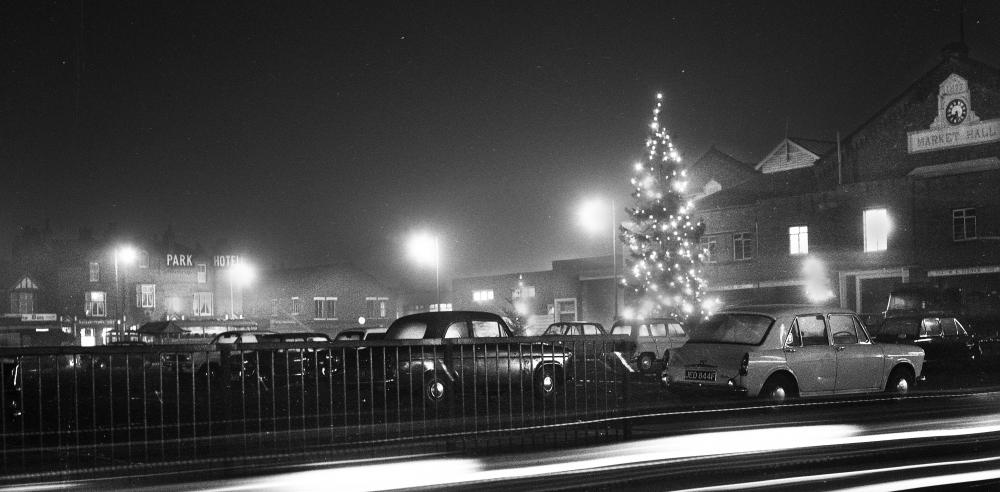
<point x="810" y="356"/>
<point x="658" y="334"/>
<point x="497" y="362"/>
<point x="859" y="362"/>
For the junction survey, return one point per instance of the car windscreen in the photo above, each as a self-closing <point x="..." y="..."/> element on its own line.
<point x="375" y="336"/>
<point x="553" y="330"/>
<point x="621" y="330"/>
<point x="407" y="330"/>
<point x="733" y="328"/>
<point x="348" y="335"/>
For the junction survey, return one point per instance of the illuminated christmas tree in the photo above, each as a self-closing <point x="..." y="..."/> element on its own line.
<point x="663" y="268"/>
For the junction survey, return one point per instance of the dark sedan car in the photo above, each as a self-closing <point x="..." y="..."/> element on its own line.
<point x="943" y="338"/>
<point x="474" y="354"/>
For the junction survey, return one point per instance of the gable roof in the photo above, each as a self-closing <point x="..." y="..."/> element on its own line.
<point x="793" y="153"/>
<point x="718" y="166"/>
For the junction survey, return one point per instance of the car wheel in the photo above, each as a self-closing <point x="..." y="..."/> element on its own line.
<point x="436" y="389"/>
<point x="645" y="363"/>
<point x="778" y="388"/>
<point x="900" y="382"/>
<point x="547" y="383"/>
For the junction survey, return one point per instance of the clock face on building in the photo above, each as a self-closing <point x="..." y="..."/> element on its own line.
<point x="955" y="111"/>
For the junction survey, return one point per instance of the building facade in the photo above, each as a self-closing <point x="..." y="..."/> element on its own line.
<point x="907" y="197"/>
<point x="325" y="298"/>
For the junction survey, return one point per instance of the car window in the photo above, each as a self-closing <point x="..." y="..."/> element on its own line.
<point x="375" y="336"/>
<point x="572" y="330"/>
<point x="457" y="329"/>
<point x="621" y="330"/>
<point x="487" y="329"/>
<point x="348" y="335"/>
<point x="644" y="330"/>
<point x="862" y="332"/>
<point x="407" y="330"/>
<point x="951" y="327"/>
<point x="844" y="331"/>
<point x="675" y="329"/>
<point x="812" y="329"/>
<point x="590" y="330"/>
<point x="930" y="327"/>
<point x="658" y="329"/>
<point x="248" y="338"/>
<point x="226" y="339"/>
<point x="734" y="328"/>
<point x="553" y="330"/>
<point x="793" y="339"/>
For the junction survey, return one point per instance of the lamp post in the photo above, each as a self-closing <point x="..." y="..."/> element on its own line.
<point x="425" y="248"/>
<point x="240" y="274"/>
<point x="126" y="255"/>
<point x="590" y="214"/>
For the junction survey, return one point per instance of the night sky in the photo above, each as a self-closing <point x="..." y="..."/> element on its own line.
<point x="312" y="133"/>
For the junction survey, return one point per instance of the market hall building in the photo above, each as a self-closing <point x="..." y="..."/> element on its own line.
<point x="910" y="196"/>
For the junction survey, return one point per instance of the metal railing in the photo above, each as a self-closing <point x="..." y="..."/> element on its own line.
<point x="76" y="408"/>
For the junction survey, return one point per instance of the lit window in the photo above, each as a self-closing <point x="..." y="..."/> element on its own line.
<point x="963" y="223"/>
<point x="482" y="295"/>
<point x="146" y="295"/>
<point x="876" y="224"/>
<point x="95" y="304"/>
<point x="202" y="273"/>
<point x="378" y="307"/>
<point x="708" y="246"/>
<point x="326" y="307"/>
<point x="798" y="240"/>
<point x="566" y="309"/>
<point x="143" y="259"/>
<point x="296" y="305"/>
<point x="743" y="246"/>
<point x="203" y="303"/>
<point x="95" y="271"/>
<point x="444" y="306"/>
<point x="524" y="292"/>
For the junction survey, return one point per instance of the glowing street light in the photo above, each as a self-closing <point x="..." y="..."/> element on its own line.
<point x="424" y="249"/>
<point x="590" y="218"/>
<point x="126" y="255"/>
<point x="240" y="274"/>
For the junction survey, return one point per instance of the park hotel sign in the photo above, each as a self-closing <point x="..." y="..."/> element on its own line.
<point x="956" y="124"/>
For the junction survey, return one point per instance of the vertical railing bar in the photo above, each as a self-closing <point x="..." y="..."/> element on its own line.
<point x="371" y="384"/>
<point x="145" y="412"/>
<point x="194" y="398"/>
<point x="128" y="407"/>
<point x="58" y="373"/>
<point x="274" y="401"/>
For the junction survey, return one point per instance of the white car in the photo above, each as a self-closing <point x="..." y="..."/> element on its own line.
<point x="781" y="351"/>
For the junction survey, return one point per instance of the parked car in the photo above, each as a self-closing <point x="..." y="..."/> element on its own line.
<point x="208" y="362"/>
<point x="311" y="358"/>
<point x="119" y="360"/>
<point x="474" y="354"/>
<point x="653" y="340"/>
<point x="943" y="338"/>
<point x="575" y="328"/>
<point x="782" y="351"/>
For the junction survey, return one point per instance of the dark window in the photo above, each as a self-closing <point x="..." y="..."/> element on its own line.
<point x="743" y="246"/>
<point x="963" y="221"/>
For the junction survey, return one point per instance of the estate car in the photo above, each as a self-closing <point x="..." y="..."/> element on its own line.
<point x="781" y="351"/>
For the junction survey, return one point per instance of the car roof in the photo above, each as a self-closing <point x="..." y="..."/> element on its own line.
<point x="575" y="323"/>
<point x="776" y="310"/>
<point x="656" y="319"/>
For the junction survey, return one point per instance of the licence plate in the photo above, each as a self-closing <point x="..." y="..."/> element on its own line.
<point x="699" y="375"/>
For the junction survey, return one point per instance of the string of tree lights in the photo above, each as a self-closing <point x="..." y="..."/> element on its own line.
<point x="663" y="267"/>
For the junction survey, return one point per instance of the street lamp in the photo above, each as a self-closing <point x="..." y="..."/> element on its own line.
<point x="590" y="214"/>
<point x="240" y="274"/>
<point x="425" y="249"/>
<point x="126" y="255"/>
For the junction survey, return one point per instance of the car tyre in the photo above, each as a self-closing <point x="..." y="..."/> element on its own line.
<point x="547" y="383"/>
<point x="779" y="388"/>
<point x="646" y="362"/>
<point x="900" y="382"/>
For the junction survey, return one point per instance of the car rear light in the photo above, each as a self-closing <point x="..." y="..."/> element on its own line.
<point x="744" y="364"/>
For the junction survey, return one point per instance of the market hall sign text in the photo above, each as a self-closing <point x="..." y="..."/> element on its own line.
<point x="956" y="124"/>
